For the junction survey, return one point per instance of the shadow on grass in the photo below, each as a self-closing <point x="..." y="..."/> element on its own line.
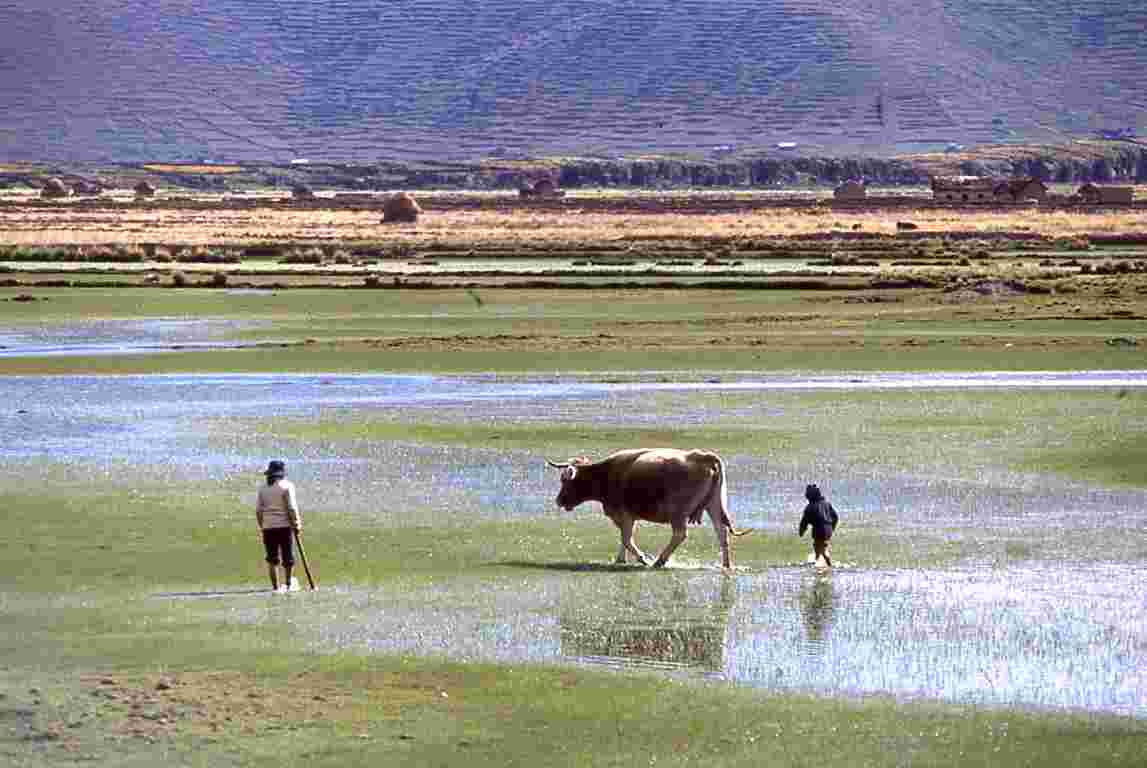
<point x="677" y="566"/>
<point x="573" y="567"/>
<point x="213" y="593"/>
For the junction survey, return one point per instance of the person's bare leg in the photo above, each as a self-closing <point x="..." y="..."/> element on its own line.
<point x="287" y="576"/>
<point x="274" y="578"/>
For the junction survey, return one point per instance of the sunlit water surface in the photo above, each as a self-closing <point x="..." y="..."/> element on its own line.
<point x="1063" y="634"/>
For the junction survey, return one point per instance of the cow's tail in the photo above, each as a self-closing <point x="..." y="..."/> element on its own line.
<point x="725" y="500"/>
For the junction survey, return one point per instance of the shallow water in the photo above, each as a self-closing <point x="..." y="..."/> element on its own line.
<point x="1007" y="637"/>
<point x="119" y="337"/>
<point x="1065" y="634"/>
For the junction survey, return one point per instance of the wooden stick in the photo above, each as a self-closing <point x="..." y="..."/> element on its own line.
<point x="303" y="557"/>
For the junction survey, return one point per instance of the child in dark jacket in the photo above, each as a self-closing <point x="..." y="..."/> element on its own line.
<point x="822" y="518"/>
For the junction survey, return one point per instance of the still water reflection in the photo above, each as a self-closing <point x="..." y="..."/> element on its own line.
<point x="1013" y="637"/>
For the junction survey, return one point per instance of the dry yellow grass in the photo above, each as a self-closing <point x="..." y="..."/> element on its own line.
<point x="193" y="168"/>
<point x="40" y="226"/>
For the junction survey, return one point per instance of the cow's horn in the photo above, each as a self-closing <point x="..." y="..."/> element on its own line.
<point x="555" y="465"/>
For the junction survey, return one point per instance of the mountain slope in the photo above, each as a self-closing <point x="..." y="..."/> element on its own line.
<point x="355" y="80"/>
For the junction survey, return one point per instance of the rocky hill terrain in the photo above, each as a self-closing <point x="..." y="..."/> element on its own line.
<point x="365" y="80"/>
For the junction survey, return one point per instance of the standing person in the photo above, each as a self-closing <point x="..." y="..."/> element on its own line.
<point x="277" y="513"/>
<point x="820" y="515"/>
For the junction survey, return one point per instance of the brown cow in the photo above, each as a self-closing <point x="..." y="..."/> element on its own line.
<point x="661" y="485"/>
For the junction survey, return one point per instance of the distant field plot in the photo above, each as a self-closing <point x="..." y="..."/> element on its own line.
<point x="607" y="217"/>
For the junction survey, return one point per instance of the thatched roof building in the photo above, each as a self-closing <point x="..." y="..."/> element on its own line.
<point x="964" y="189"/>
<point x="1019" y="189"/>
<point x="1104" y="195"/>
<point x="984" y="189"/>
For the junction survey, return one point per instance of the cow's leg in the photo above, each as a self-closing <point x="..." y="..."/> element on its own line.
<point x="718" y="520"/>
<point x="619" y="520"/>
<point x="628" y="525"/>
<point x="679" y="535"/>
<point x="718" y="514"/>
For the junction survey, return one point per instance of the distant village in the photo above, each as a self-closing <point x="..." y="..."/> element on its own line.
<point x="965" y="190"/>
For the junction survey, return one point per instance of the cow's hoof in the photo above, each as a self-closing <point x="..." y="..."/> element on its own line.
<point x="658" y="563"/>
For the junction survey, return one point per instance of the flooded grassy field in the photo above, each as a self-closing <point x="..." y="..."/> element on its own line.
<point x="990" y="551"/>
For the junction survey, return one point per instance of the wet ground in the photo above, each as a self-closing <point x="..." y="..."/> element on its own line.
<point x="118" y="337"/>
<point x="1064" y="633"/>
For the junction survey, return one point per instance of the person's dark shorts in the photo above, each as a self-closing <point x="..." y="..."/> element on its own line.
<point x="279" y="543"/>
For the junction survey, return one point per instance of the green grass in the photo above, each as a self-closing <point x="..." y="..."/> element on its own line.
<point x="426" y="713"/>
<point x="1101" y="457"/>
<point x="318" y="358"/>
<point x="577" y="330"/>
<point x="212" y="542"/>
<point x="1090" y="435"/>
<point x="83" y="632"/>
<point x="86" y="643"/>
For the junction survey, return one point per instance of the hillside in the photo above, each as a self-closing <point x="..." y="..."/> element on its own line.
<point x="355" y="80"/>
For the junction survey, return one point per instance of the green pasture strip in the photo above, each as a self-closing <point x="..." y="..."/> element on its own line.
<point x="1106" y="456"/>
<point x="699" y="360"/>
<point x="490" y="306"/>
<point x="557" y="441"/>
<point x="529" y="330"/>
<point x="1035" y="329"/>
<point x="341" y="313"/>
<point x="323" y="312"/>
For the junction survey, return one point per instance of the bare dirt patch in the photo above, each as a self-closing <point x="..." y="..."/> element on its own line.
<point x="94" y="714"/>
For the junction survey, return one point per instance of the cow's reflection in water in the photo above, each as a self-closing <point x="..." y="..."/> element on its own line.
<point x="817" y="604"/>
<point x="683" y="624"/>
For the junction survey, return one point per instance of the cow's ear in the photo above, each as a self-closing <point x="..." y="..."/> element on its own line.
<point x="568" y="474"/>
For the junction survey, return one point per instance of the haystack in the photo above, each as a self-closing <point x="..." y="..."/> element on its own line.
<point x="541" y="188"/>
<point x="401" y="208"/>
<point x="302" y="192"/>
<point x="53" y="187"/>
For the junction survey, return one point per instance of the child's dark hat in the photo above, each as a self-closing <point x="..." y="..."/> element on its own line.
<point x="276" y="468"/>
